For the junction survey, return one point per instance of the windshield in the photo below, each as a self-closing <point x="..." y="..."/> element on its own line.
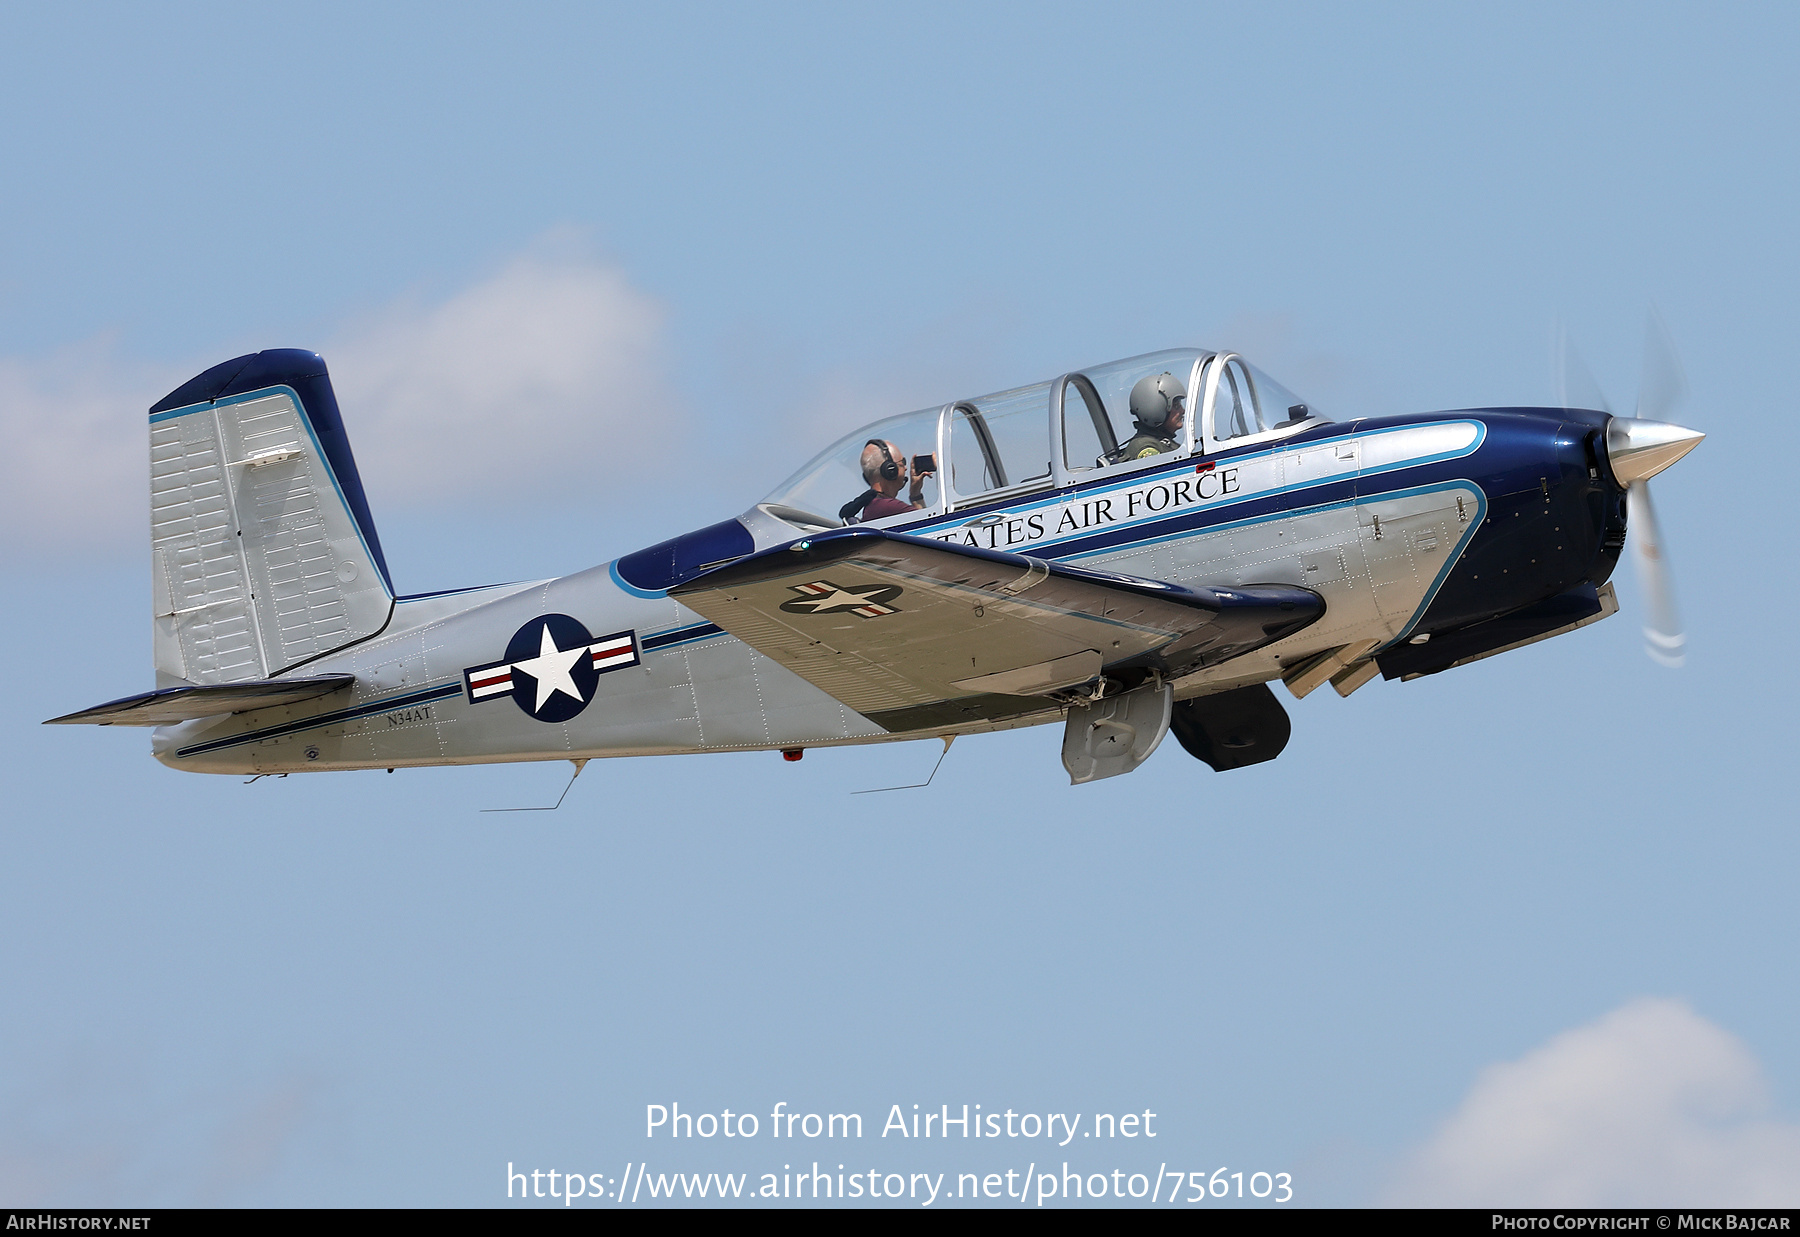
<point x="1245" y="402"/>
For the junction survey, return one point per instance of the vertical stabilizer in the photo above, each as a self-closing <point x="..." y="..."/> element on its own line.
<point x="263" y="553"/>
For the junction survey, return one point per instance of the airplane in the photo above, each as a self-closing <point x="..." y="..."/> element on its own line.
<point x="1080" y="550"/>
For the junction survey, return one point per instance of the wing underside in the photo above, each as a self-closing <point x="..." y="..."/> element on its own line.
<point x="916" y="634"/>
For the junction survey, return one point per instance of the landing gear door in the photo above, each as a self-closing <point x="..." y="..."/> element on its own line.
<point x="1114" y="736"/>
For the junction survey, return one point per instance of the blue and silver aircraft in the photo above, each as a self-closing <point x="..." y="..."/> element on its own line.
<point x="1081" y="551"/>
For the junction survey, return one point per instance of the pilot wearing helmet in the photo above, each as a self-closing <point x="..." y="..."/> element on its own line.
<point x="1159" y="406"/>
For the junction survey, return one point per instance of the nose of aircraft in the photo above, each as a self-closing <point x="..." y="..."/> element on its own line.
<point x="1639" y="449"/>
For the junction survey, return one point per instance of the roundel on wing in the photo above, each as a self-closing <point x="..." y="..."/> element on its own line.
<point x="553" y="676"/>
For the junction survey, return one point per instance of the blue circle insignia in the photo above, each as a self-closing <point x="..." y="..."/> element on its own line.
<point x="553" y="674"/>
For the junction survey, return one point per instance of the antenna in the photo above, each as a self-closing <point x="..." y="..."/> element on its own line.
<point x="579" y="766"/>
<point x="879" y="790"/>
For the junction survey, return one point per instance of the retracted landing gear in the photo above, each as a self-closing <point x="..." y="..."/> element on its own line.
<point x="1229" y="730"/>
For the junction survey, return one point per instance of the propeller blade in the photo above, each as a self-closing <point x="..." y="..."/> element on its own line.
<point x="1575" y="385"/>
<point x="1662" y="384"/>
<point x="1638" y="448"/>
<point x="1664" y="640"/>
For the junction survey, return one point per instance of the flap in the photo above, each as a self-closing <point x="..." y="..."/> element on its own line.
<point x="181" y="704"/>
<point x="915" y="633"/>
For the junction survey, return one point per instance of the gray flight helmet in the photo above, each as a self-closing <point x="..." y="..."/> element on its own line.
<point x="1153" y="399"/>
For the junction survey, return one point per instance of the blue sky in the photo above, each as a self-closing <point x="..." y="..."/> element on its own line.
<point x="588" y="277"/>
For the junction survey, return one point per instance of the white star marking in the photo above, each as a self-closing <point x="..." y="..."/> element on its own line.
<point x="550" y="669"/>
<point x="837" y="597"/>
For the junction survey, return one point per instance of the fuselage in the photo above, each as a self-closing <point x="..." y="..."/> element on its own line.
<point x="1411" y="528"/>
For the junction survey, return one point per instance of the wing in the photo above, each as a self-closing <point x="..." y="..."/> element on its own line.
<point x="914" y="633"/>
<point x="181" y="704"/>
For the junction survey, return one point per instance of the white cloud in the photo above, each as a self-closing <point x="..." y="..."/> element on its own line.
<point x="77" y="459"/>
<point x="546" y="372"/>
<point x="1651" y="1105"/>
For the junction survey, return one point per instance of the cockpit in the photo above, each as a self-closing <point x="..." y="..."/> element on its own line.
<point x="1088" y="424"/>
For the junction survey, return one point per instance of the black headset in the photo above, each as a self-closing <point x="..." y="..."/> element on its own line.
<point x="890" y="470"/>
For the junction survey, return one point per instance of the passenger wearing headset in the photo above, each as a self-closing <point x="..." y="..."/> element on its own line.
<point x="1159" y="406"/>
<point x="884" y="468"/>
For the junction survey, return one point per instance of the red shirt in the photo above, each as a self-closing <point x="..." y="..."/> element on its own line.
<point x="881" y="506"/>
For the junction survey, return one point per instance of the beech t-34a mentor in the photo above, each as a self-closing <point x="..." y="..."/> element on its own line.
<point x="1131" y="548"/>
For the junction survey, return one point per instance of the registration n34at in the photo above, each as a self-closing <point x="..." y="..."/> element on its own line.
<point x="1128" y="549"/>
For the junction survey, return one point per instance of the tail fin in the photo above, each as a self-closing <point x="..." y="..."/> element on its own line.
<point x="263" y="553"/>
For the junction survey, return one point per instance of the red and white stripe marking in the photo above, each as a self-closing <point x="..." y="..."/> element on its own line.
<point x="490" y="682"/>
<point x="617" y="651"/>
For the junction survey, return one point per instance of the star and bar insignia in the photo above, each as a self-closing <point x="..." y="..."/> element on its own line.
<point x="824" y="597"/>
<point x="552" y="667"/>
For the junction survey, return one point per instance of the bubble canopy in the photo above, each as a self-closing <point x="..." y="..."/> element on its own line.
<point x="1046" y="435"/>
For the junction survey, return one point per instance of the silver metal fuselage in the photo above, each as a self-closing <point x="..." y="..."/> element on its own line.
<point x="1374" y="515"/>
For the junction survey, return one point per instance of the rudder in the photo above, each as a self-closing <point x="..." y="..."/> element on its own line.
<point x="264" y="556"/>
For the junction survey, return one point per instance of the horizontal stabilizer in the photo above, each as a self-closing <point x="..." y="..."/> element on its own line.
<point x="915" y="633"/>
<point x="182" y="704"/>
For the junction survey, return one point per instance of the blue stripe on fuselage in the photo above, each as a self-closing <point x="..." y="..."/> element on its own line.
<point x="1276" y="503"/>
<point x="681" y="635"/>
<point x="428" y="695"/>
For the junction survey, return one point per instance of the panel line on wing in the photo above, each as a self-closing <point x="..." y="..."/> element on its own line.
<point x="999" y="597"/>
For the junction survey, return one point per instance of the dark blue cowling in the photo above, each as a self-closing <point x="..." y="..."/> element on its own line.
<point x="1554" y="519"/>
<point x="668" y="563"/>
<point x="306" y="374"/>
